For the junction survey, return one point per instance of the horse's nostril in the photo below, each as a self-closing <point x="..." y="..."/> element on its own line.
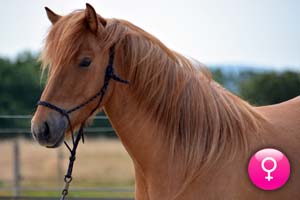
<point x="47" y="130"/>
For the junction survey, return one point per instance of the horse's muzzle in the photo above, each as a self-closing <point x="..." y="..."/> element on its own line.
<point x="50" y="132"/>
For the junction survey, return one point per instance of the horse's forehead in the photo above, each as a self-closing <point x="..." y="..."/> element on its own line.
<point x="89" y="41"/>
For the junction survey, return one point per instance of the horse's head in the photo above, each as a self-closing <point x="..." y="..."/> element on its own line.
<point x="76" y="63"/>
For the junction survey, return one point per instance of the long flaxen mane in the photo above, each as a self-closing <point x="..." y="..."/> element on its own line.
<point x="201" y="120"/>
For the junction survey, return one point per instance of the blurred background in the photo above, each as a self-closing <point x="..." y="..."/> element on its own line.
<point x="251" y="47"/>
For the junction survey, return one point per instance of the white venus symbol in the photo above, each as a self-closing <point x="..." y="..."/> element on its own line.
<point x="269" y="171"/>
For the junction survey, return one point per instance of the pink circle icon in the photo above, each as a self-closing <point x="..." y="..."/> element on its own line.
<point x="269" y="169"/>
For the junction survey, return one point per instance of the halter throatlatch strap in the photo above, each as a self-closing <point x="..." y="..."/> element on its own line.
<point x="109" y="75"/>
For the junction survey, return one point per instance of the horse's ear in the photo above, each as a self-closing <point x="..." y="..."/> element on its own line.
<point x="95" y="22"/>
<point x="52" y="16"/>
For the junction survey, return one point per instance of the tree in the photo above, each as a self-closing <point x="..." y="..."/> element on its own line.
<point x="20" y="84"/>
<point x="218" y="75"/>
<point x="271" y="87"/>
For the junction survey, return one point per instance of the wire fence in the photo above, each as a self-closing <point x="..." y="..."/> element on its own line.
<point x="53" y="198"/>
<point x="13" y="152"/>
<point x="28" y="131"/>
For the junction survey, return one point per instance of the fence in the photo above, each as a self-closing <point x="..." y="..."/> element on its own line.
<point x="53" y="198"/>
<point x="15" y="148"/>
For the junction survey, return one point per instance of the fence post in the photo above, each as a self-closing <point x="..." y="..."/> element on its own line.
<point x="60" y="159"/>
<point x="17" y="168"/>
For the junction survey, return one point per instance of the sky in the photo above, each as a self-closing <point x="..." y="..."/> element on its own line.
<point x="248" y="32"/>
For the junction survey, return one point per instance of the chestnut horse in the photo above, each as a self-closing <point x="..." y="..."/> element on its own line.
<point x="188" y="137"/>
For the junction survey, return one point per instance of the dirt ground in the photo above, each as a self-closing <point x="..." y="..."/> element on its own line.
<point x="99" y="162"/>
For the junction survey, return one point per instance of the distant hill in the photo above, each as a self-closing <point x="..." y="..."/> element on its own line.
<point x="236" y="69"/>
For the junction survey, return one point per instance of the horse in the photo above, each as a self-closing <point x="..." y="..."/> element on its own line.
<point x="187" y="136"/>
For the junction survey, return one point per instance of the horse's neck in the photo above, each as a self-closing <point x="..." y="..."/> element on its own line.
<point x="132" y="125"/>
<point x="143" y="142"/>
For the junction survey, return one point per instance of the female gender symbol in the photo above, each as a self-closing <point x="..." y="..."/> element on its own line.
<point x="274" y="163"/>
<point x="269" y="171"/>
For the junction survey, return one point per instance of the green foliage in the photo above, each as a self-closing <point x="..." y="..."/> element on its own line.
<point x="271" y="87"/>
<point x="19" y="89"/>
<point x="218" y="76"/>
<point x="20" y="84"/>
<point x="260" y="87"/>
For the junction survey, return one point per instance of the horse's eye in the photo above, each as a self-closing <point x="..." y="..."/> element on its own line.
<point x="85" y="62"/>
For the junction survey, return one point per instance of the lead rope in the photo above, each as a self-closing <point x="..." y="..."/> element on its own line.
<point x="68" y="177"/>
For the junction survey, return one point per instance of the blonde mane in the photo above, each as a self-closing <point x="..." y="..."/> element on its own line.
<point x="202" y="120"/>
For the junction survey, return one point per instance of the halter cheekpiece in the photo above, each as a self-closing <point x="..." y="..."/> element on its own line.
<point x="109" y="75"/>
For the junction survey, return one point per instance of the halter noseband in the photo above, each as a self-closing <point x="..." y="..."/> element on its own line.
<point x="109" y="74"/>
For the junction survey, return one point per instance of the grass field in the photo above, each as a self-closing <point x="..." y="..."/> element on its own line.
<point x="99" y="162"/>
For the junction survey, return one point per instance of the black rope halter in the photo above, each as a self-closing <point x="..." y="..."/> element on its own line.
<point x="109" y="75"/>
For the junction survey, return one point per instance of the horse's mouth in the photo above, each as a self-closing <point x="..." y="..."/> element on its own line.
<point x="58" y="143"/>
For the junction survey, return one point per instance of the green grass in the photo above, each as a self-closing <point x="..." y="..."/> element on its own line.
<point x="78" y="194"/>
<point x="87" y="194"/>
